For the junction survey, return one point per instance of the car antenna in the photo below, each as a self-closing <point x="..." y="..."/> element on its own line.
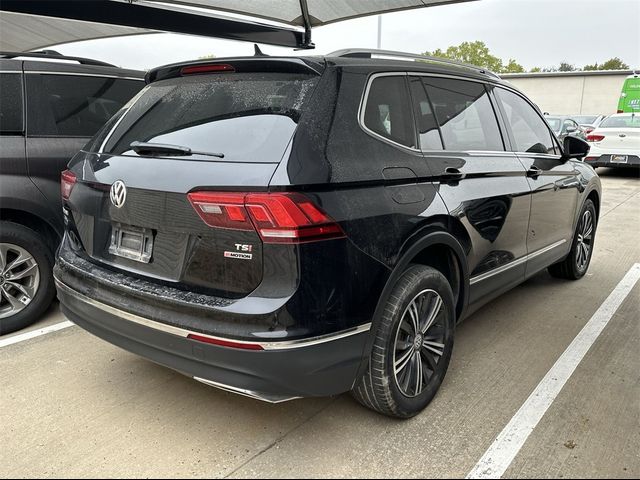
<point x="257" y="52"/>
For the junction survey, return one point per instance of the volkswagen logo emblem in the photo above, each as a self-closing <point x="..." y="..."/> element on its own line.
<point x="118" y="193"/>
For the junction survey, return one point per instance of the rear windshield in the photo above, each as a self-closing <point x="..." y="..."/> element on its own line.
<point x="627" y="121"/>
<point x="248" y="117"/>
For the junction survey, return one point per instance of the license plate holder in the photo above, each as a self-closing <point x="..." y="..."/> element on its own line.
<point x="134" y="243"/>
<point x="619" y="158"/>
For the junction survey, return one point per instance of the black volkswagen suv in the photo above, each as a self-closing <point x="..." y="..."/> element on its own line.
<point x="50" y="106"/>
<point x="292" y="227"/>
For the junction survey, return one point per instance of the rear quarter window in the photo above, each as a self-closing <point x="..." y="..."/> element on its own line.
<point x="387" y="111"/>
<point x="74" y="106"/>
<point x="11" y="114"/>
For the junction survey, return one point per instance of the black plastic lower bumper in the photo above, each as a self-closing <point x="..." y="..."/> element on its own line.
<point x="327" y="367"/>
<point x="632" y="161"/>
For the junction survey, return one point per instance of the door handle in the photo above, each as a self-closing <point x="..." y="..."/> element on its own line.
<point x="534" y="171"/>
<point x="451" y="173"/>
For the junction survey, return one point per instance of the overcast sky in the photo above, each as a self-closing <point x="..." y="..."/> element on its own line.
<point x="534" y="32"/>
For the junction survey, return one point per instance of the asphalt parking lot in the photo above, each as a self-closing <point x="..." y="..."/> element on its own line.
<point x="75" y="406"/>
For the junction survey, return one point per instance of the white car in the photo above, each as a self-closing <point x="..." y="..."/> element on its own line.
<point x="616" y="142"/>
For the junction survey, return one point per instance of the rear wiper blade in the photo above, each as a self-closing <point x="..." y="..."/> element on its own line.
<point x="151" y="149"/>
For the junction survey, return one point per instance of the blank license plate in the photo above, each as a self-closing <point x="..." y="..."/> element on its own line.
<point x="132" y="243"/>
<point x="618" y="159"/>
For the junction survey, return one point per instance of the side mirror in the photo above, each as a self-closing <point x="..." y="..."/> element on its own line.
<point x="575" y="147"/>
<point x="571" y="129"/>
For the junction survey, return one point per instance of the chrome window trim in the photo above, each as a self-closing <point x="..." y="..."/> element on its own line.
<point x="514" y="263"/>
<point x="10" y="71"/>
<point x="42" y="72"/>
<point x="181" y="332"/>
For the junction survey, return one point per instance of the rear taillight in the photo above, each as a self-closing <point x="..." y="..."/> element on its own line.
<point x="214" y="68"/>
<point x="588" y="130"/>
<point x="595" y="138"/>
<point x="277" y="217"/>
<point x="67" y="181"/>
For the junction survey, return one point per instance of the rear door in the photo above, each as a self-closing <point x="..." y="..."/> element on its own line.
<point x="64" y="110"/>
<point x="554" y="182"/>
<point x="482" y="184"/>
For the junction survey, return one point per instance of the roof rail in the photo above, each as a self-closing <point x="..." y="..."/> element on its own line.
<point x="53" y="55"/>
<point x="369" y="53"/>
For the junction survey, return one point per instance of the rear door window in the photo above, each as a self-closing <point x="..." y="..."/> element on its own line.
<point x="248" y="117"/>
<point x="387" y="111"/>
<point x="428" y="132"/>
<point x="73" y="105"/>
<point x="530" y="132"/>
<point x="465" y="115"/>
<point x="11" y="117"/>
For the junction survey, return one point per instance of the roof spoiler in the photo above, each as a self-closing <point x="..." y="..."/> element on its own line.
<point x="242" y="65"/>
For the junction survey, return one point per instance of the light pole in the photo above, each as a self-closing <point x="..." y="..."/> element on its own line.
<point x="379" y="32"/>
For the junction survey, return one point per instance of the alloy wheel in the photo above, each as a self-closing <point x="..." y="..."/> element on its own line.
<point x="19" y="279"/>
<point x="585" y="240"/>
<point x="419" y="343"/>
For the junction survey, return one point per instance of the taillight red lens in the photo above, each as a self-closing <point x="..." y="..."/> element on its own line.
<point x="595" y="138"/>
<point x="224" y="343"/>
<point x="215" y="68"/>
<point x="222" y="210"/>
<point x="277" y="217"/>
<point x="67" y="181"/>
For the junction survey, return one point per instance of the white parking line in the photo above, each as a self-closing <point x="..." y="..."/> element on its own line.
<point x="508" y="443"/>
<point x="35" y="333"/>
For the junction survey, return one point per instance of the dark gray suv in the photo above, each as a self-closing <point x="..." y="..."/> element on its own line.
<point x="50" y="106"/>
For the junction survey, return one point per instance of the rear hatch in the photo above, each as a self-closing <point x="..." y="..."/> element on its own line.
<point x="170" y="212"/>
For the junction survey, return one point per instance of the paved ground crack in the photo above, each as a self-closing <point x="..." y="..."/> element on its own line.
<point x="280" y="438"/>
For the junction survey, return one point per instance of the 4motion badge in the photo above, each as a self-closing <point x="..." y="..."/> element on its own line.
<point x="241" y="253"/>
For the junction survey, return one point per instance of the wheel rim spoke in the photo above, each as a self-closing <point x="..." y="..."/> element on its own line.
<point x="21" y="260"/>
<point x="4" y="249"/>
<point x="418" y="374"/>
<point x="429" y="358"/>
<point x="27" y="272"/>
<point x="402" y="363"/>
<point x="433" y="313"/>
<point x="16" y="304"/>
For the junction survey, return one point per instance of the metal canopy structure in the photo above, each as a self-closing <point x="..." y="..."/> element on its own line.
<point x="28" y="25"/>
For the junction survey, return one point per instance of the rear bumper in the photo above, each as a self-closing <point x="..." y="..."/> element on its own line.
<point x="316" y="366"/>
<point x="633" y="161"/>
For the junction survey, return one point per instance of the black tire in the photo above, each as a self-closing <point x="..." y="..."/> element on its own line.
<point x="574" y="266"/>
<point x="29" y="240"/>
<point x="379" y="388"/>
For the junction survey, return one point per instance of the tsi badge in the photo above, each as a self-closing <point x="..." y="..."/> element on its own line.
<point x="242" y="252"/>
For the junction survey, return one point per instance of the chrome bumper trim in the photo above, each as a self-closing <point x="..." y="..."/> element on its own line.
<point x="246" y="393"/>
<point x="181" y="332"/>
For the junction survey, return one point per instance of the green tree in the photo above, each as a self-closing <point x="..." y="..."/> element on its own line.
<point x="512" y="67"/>
<point x="614" y="63"/>
<point x="535" y="70"/>
<point x="566" y="67"/>
<point x="475" y="53"/>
